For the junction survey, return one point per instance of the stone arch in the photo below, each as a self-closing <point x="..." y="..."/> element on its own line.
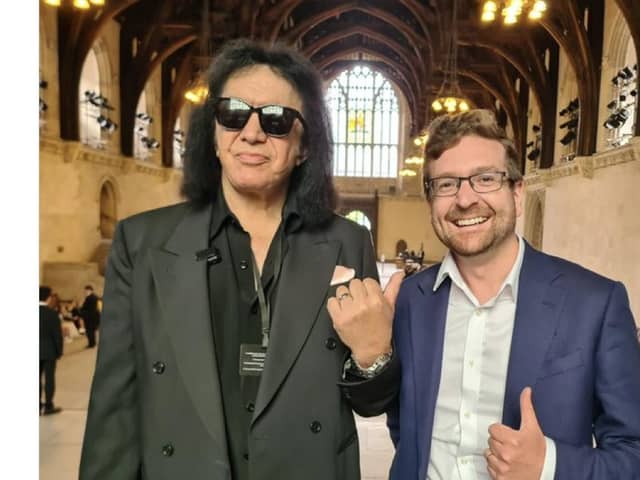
<point x="534" y="218"/>
<point x="108" y="199"/>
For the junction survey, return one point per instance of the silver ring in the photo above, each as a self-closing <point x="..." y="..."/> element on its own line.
<point x="343" y="296"/>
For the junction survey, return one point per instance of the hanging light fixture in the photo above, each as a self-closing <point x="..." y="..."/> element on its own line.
<point x="449" y="98"/>
<point x="407" y="172"/>
<point x="198" y="91"/>
<point x="511" y="10"/>
<point x="79" y="4"/>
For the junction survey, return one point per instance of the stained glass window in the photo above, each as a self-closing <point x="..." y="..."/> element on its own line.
<point x="365" y="124"/>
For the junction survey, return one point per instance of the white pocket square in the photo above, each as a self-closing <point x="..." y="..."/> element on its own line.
<point x="342" y="274"/>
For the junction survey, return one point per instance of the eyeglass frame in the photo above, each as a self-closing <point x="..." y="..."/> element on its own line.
<point x="258" y="111"/>
<point x="504" y="176"/>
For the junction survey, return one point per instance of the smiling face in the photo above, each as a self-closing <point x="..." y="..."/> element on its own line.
<point x="470" y="223"/>
<point x="254" y="163"/>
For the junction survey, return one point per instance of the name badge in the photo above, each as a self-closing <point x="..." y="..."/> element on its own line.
<point x="252" y="357"/>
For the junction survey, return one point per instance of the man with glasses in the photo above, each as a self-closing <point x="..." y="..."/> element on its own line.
<point x="513" y="362"/>
<point x="217" y="358"/>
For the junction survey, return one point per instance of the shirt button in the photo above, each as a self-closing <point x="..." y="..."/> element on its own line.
<point x="158" y="367"/>
<point x="471" y="363"/>
<point x="331" y="343"/>
<point x="167" y="450"/>
<point x="244" y="265"/>
<point x="250" y="407"/>
<point x="315" y="426"/>
<point x="467" y="414"/>
<point x="478" y="312"/>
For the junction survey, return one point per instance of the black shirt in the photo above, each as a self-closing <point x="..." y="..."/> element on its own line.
<point x="236" y="317"/>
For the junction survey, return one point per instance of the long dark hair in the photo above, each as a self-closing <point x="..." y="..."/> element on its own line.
<point x="311" y="182"/>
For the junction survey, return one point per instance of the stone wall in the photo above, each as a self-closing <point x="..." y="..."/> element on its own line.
<point x="590" y="214"/>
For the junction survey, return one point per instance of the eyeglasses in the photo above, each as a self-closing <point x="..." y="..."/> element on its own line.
<point x="481" y="183"/>
<point x="275" y="120"/>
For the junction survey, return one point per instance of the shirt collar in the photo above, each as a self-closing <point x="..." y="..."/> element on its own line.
<point x="448" y="268"/>
<point x="221" y="214"/>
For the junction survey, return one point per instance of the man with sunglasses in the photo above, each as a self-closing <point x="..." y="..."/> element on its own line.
<point x="513" y="362"/>
<point x="217" y="358"/>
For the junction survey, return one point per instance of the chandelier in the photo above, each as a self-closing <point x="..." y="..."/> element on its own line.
<point x="449" y="98"/>
<point x="79" y="4"/>
<point x="511" y="10"/>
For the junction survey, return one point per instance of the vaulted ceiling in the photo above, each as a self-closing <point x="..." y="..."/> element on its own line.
<point x="405" y="39"/>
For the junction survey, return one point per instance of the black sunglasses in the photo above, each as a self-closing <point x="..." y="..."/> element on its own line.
<point x="275" y="120"/>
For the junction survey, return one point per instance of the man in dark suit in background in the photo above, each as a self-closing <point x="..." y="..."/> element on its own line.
<point x="50" y="350"/>
<point x="90" y="314"/>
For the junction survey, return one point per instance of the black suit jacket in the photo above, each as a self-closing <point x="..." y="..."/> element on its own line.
<point x="89" y="310"/>
<point x="156" y="408"/>
<point x="50" y="334"/>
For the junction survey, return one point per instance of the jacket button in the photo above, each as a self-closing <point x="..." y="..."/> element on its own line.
<point x="251" y="407"/>
<point x="167" y="450"/>
<point x="158" y="367"/>
<point x="315" y="426"/>
<point x="244" y="265"/>
<point x="331" y="343"/>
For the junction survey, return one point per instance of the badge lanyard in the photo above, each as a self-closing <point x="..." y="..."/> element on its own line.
<point x="265" y="306"/>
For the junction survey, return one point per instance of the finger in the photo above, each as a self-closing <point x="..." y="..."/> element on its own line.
<point x="372" y="287"/>
<point x="341" y="290"/>
<point x="496" y="464"/>
<point x="498" y="449"/>
<point x="393" y="287"/>
<point x="357" y="290"/>
<point x="333" y="306"/>
<point x="502" y="433"/>
<point x="492" y="472"/>
<point x="527" y="412"/>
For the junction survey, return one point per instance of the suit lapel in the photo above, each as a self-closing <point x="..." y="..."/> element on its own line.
<point x="539" y="305"/>
<point x="181" y="283"/>
<point x="428" y="320"/>
<point x="304" y="281"/>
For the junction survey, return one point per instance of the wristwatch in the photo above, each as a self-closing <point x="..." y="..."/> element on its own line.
<point x="376" y="367"/>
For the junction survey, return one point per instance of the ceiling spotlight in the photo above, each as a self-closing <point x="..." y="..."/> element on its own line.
<point x="145" y="117"/>
<point x="570" y="124"/>
<point x="568" y="138"/>
<point x="106" y="124"/>
<point x="150" y="142"/>
<point x="534" y="154"/>
<point x="626" y="73"/>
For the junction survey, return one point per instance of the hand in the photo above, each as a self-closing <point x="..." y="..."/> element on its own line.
<point x="517" y="454"/>
<point x="363" y="316"/>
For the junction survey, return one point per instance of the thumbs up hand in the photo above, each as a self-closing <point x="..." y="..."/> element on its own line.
<point x="517" y="454"/>
<point x="362" y="315"/>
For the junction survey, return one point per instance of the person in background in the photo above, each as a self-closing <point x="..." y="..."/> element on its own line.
<point x="90" y="315"/>
<point x="50" y="350"/>
<point x="513" y="362"/>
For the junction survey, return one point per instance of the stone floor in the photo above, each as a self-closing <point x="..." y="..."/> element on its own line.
<point x="61" y="434"/>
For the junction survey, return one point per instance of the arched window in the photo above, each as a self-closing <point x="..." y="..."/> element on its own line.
<point x="141" y="129"/>
<point x="89" y="111"/>
<point x="108" y="213"/>
<point x="178" y="145"/>
<point x="365" y="124"/>
<point x="359" y="217"/>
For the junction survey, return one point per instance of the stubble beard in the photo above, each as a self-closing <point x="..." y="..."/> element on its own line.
<point x="479" y="243"/>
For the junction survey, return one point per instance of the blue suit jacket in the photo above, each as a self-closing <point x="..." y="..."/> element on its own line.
<point x="574" y="342"/>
